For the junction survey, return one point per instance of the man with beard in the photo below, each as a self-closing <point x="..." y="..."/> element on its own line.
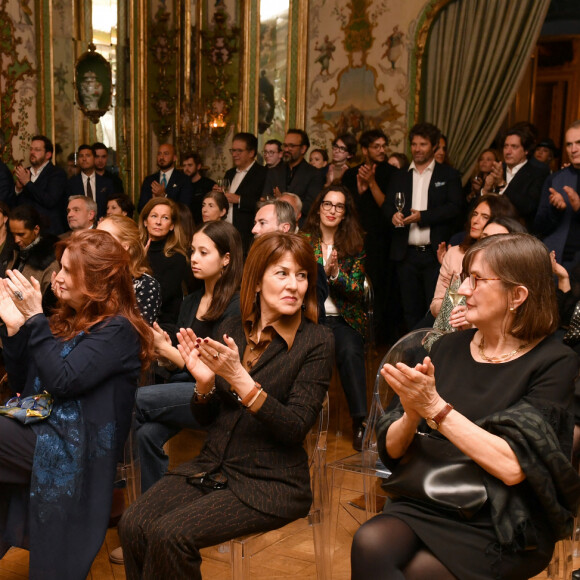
<point x="433" y="200"/>
<point x="295" y="174"/>
<point x="89" y="183"/>
<point x="200" y="184"/>
<point x="368" y="183"/>
<point x="43" y="185"/>
<point x="101" y="157"/>
<point x="168" y="181"/>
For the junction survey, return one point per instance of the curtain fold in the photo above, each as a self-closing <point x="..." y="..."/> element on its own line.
<point x="476" y="54"/>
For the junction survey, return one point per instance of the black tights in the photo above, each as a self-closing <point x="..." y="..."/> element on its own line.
<point x="386" y="548"/>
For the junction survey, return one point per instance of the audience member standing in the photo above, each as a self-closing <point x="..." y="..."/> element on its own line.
<point x="368" y="183"/>
<point x="246" y="180"/>
<point x="517" y="178"/>
<point x="272" y="152"/>
<point x="558" y="217"/>
<point x="343" y="150"/>
<point x="43" y="185"/>
<point x="101" y="158"/>
<point x="432" y="203"/>
<point x="200" y="184"/>
<point x="89" y="183"/>
<point x="167" y="182"/>
<point x="295" y="174"/>
<point x="6" y="181"/>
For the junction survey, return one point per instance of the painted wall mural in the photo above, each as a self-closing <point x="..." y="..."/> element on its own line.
<point x="17" y="78"/>
<point x="359" y="68"/>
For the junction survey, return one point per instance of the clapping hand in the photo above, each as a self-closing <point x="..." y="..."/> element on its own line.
<point x="221" y="359"/>
<point x="556" y="200"/>
<point x="12" y="317"/>
<point x="157" y="189"/>
<point x="28" y="296"/>
<point x="187" y="347"/>
<point x="331" y="267"/>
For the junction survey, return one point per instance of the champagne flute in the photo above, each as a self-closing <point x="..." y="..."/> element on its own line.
<point x="400" y="202"/>
<point x="454" y="285"/>
<point x="223" y="184"/>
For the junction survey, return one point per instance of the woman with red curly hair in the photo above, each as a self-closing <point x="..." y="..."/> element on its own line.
<point x="56" y="475"/>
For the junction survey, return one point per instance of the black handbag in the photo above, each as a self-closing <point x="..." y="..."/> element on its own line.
<point x="434" y="472"/>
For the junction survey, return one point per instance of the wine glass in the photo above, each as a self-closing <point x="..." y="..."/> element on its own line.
<point x="400" y="202"/>
<point x="453" y="292"/>
<point x="223" y="184"/>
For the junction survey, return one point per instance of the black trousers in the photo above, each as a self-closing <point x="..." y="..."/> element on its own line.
<point x="417" y="274"/>
<point x="17" y="444"/>
<point x="162" y="532"/>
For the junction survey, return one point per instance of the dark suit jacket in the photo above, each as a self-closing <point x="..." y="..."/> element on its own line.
<point x="443" y="206"/>
<point x="262" y="454"/>
<point x="525" y="190"/>
<point x="306" y="183"/>
<point x="48" y="196"/>
<point x="105" y="189"/>
<point x="249" y="190"/>
<point x="6" y="184"/>
<point x="178" y="188"/>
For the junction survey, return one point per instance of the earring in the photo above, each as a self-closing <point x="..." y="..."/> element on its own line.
<point x="512" y="309"/>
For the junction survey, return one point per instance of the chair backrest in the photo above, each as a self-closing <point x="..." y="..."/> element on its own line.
<point x="315" y="442"/>
<point x="411" y="349"/>
<point x="369" y="300"/>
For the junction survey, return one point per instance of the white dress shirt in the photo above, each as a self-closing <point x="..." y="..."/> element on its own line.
<point x="419" y="236"/>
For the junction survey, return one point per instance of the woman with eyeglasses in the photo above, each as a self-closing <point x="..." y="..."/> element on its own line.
<point x="343" y="150"/>
<point x="335" y="233"/>
<point x="497" y="402"/>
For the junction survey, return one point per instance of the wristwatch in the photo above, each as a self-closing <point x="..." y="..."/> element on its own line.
<point x="435" y="422"/>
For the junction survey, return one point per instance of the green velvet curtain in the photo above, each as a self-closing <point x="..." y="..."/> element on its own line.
<point x="476" y="54"/>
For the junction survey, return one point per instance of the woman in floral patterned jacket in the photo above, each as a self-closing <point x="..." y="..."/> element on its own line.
<point x="337" y="238"/>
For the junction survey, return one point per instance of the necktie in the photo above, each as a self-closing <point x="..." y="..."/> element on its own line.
<point x="89" y="188"/>
<point x="163" y="180"/>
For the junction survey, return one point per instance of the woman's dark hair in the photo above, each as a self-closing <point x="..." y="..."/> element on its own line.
<point x="268" y="249"/>
<point x="100" y="270"/>
<point x="512" y="225"/>
<point x="187" y="223"/>
<point x="322" y="152"/>
<point x="349" y="237"/>
<point x="402" y="159"/>
<point x="124" y="203"/>
<point x="28" y="215"/>
<point x="227" y="240"/>
<point x="4" y="209"/>
<point x="221" y="200"/>
<point x="521" y="260"/>
<point x="499" y="206"/>
<point x="349" y="142"/>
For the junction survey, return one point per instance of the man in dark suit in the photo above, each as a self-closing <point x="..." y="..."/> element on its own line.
<point x="518" y="178"/>
<point x="200" y="184"/>
<point x="101" y="158"/>
<point x="43" y="185"/>
<point x="6" y="181"/>
<point x="368" y="183"/>
<point x="295" y="174"/>
<point x="433" y="200"/>
<point x="89" y="183"/>
<point x="168" y="181"/>
<point x="246" y="184"/>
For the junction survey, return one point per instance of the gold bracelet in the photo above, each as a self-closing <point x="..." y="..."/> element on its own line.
<point x="202" y="397"/>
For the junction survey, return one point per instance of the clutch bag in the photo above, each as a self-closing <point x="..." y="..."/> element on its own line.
<point x="572" y="336"/>
<point x="434" y="472"/>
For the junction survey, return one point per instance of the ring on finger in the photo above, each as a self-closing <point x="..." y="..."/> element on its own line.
<point x="18" y="294"/>
<point x="216" y="355"/>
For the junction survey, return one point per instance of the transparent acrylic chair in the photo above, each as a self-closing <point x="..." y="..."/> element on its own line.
<point x="244" y="548"/>
<point x="357" y="474"/>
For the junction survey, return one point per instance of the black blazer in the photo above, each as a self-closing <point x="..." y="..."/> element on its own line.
<point x="306" y="183"/>
<point x="48" y="196"/>
<point x="249" y="190"/>
<point x="105" y="189"/>
<point x="525" y="190"/>
<point x="178" y="189"/>
<point x="443" y="206"/>
<point x="6" y="184"/>
<point x="262" y="454"/>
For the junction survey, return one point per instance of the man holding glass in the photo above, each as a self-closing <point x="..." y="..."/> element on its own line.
<point x="243" y="185"/>
<point x="433" y="199"/>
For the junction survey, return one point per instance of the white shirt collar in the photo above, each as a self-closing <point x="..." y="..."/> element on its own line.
<point x="37" y="172"/>
<point x="429" y="167"/>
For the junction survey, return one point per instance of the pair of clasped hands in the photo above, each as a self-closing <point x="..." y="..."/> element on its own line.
<point x="415" y="387"/>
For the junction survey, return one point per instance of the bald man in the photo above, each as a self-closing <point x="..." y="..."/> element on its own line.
<point x="168" y="181"/>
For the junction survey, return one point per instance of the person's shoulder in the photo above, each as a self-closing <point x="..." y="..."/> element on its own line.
<point x="452" y="342"/>
<point x="52" y="170"/>
<point x="317" y="333"/>
<point x="442" y="169"/>
<point x="552" y="347"/>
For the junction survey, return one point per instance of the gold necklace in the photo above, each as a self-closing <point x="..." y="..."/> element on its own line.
<point x="502" y="357"/>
